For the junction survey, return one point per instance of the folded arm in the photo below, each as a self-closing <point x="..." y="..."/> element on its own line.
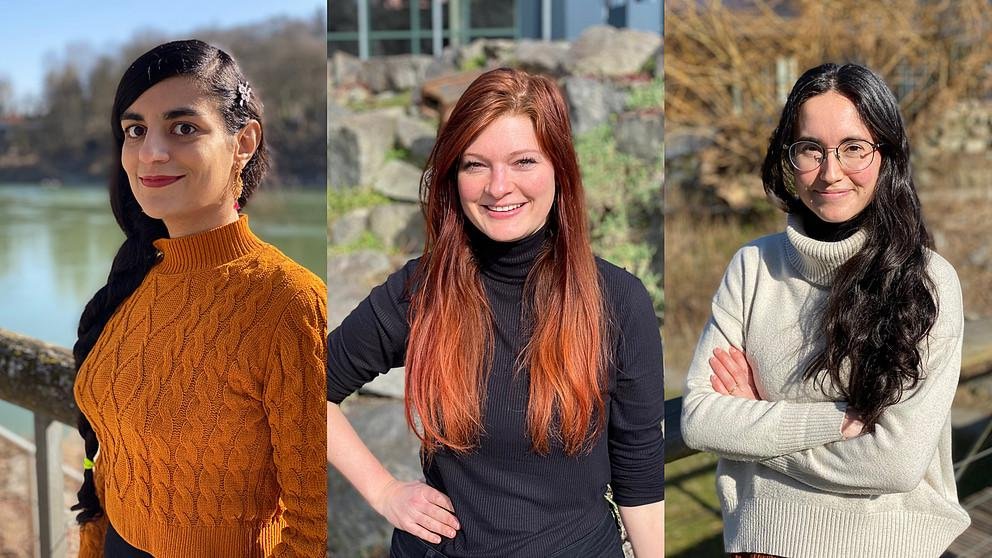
<point x="893" y="458"/>
<point x="738" y="428"/>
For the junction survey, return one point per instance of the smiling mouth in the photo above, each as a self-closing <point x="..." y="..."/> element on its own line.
<point x="158" y="180"/>
<point x="831" y="192"/>
<point x="503" y="208"/>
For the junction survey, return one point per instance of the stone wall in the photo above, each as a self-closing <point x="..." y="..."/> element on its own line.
<point x="953" y="171"/>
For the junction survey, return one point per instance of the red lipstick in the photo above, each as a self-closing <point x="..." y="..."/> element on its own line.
<point x="158" y="180"/>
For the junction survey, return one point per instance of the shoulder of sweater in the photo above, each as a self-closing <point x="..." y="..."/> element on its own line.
<point x="941" y="271"/>
<point x="764" y="246"/>
<point x="400" y="278"/>
<point x="947" y="289"/>
<point x="749" y="258"/>
<point x="623" y="289"/>
<point x="616" y="278"/>
<point x="292" y="277"/>
<point x="409" y="268"/>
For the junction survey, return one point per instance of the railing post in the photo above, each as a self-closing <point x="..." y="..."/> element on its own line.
<point x="675" y="447"/>
<point x="363" y="29"/>
<point x="437" y="29"/>
<point x="51" y="487"/>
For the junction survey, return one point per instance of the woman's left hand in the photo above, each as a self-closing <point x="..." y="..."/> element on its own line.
<point x="732" y="374"/>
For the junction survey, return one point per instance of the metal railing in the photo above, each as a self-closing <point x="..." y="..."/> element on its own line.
<point x="459" y="30"/>
<point x="675" y="447"/>
<point x="38" y="376"/>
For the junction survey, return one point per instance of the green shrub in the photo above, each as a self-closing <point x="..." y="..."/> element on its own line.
<point x="367" y="241"/>
<point x="624" y="200"/>
<point x="649" y="95"/>
<point x="401" y="99"/>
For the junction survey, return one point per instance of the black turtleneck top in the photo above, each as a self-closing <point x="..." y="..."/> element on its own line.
<point x="510" y="501"/>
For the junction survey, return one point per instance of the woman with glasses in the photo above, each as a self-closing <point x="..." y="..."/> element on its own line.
<point x="825" y="376"/>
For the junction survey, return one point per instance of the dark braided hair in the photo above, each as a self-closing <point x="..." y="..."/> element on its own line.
<point x="219" y="77"/>
<point x="881" y="303"/>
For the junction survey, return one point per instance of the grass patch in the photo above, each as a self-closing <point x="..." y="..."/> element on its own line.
<point x="649" y="95"/>
<point x="693" y="526"/>
<point x="398" y="154"/>
<point x="697" y="251"/>
<point x="401" y="99"/>
<point x="477" y="62"/>
<point x="341" y="201"/>
<point x="367" y="241"/>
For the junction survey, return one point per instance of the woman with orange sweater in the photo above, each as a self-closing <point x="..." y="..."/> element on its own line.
<point x="200" y="363"/>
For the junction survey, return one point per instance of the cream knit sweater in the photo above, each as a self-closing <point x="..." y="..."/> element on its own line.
<point x="789" y="485"/>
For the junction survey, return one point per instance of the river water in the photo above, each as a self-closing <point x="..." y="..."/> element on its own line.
<point x="56" y="246"/>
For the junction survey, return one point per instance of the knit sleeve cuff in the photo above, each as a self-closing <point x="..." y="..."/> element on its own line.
<point x="810" y="425"/>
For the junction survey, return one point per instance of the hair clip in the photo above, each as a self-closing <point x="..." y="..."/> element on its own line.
<point x="244" y="93"/>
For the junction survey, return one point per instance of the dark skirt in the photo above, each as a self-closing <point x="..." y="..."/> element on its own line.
<point x="114" y="546"/>
<point x="603" y="542"/>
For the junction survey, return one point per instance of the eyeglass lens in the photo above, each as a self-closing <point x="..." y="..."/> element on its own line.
<point x="854" y="155"/>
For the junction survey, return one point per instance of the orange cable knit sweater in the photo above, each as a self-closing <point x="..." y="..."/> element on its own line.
<point x="206" y="391"/>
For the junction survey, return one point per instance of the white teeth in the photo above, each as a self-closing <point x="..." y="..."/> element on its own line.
<point x="503" y="208"/>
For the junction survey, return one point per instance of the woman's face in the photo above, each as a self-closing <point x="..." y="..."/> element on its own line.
<point x="506" y="184"/>
<point x="831" y="193"/>
<point x="179" y="157"/>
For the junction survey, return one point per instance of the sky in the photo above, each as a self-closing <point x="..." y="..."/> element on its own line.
<point x="32" y="31"/>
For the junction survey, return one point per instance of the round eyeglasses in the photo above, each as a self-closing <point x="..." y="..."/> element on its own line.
<point x="853" y="155"/>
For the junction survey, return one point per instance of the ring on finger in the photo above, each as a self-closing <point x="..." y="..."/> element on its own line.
<point x="733" y="389"/>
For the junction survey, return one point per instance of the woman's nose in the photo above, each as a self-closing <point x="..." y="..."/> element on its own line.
<point x="499" y="184"/>
<point x="154" y="148"/>
<point x="830" y="169"/>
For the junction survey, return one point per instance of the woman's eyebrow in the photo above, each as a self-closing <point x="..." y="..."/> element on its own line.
<point x="179" y="113"/>
<point x="817" y="140"/>
<point x="510" y="156"/>
<point x="167" y="115"/>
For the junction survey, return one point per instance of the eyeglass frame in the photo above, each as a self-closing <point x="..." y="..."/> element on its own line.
<point x="836" y="149"/>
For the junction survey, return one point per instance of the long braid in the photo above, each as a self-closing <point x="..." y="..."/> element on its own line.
<point x="221" y="79"/>
<point x="134" y="259"/>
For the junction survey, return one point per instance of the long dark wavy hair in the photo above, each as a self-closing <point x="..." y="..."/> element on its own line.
<point x="218" y="76"/>
<point x="881" y="304"/>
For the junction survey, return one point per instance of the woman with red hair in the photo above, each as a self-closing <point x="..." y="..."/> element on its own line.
<point x="533" y="369"/>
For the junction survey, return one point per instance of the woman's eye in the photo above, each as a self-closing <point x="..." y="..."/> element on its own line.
<point x="134" y="131"/>
<point x="527" y="162"/>
<point x="471" y="165"/>
<point x="183" y="129"/>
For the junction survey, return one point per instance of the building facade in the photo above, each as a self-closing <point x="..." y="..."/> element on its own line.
<point x="382" y="27"/>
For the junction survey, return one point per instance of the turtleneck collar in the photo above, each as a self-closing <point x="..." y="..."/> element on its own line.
<point x="508" y="262"/>
<point x="817" y="260"/>
<point x="208" y="249"/>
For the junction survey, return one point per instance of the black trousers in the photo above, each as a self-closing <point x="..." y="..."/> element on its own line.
<point x="114" y="546"/>
<point x="602" y="542"/>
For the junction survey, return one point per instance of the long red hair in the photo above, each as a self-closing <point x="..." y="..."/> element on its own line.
<point x="449" y="352"/>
